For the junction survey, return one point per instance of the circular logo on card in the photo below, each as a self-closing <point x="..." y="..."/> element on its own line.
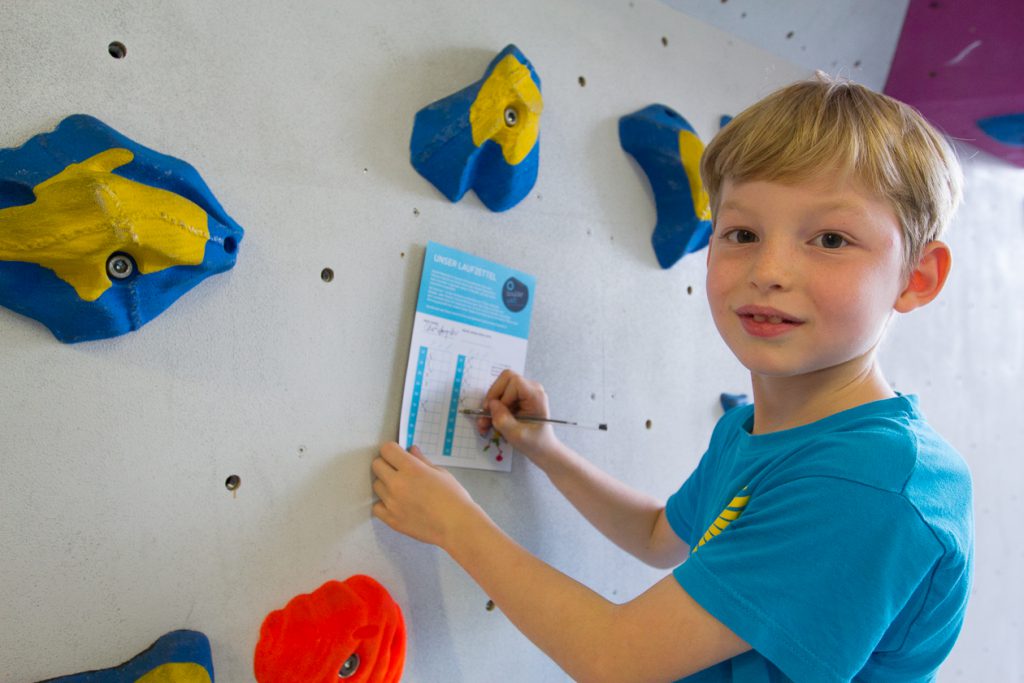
<point x="515" y="295"/>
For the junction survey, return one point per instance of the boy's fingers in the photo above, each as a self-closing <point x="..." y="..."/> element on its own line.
<point x="394" y="455"/>
<point x="513" y="392"/>
<point x="381" y="468"/>
<point x="415" y="450"/>
<point x="502" y="417"/>
<point x="482" y="425"/>
<point x="396" y="458"/>
<point x="381" y="512"/>
<point x="498" y="388"/>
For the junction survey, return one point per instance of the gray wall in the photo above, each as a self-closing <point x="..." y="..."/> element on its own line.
<point x="115" y="525"/>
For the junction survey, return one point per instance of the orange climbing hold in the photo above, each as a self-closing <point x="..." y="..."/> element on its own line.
<point x="351" y="630"/>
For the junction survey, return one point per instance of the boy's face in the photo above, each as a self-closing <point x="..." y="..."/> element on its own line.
<point x="802" y="277"/>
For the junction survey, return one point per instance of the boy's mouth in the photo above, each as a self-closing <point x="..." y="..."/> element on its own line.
<point x="763" y="321"/>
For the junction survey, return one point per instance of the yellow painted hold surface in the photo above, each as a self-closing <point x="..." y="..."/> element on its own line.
<point x="509" y="85"/>
<point x="85" y="213"/>
<point x="176" y="672"/>
<point x="690" y="150"/>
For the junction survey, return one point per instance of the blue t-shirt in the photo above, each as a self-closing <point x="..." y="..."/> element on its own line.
<point x="841" y="549"/>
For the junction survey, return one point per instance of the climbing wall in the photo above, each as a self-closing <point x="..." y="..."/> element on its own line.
<point x="200" y="472"/>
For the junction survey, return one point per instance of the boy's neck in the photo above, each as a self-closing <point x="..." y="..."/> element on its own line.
<point x="787" y="402"/>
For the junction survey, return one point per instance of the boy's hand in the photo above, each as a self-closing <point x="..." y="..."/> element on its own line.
<point x="511" y="395"/>
<point x="416" y="498"/>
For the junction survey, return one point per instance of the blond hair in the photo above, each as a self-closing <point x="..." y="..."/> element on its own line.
<point x="826" y="125"/>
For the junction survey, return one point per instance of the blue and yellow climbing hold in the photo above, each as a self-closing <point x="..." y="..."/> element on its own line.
<point x="485" y="137"/>
<point x="177" y="657"/>
<point x="668" y="150"/>
<point x="99" y="235"/>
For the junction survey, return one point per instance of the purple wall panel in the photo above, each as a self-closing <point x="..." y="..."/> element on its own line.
<point x="959" y="61"/>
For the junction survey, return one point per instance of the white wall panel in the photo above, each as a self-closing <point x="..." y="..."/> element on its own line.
<point x="115" y="525"/>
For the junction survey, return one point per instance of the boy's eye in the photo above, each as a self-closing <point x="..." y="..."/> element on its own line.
<point x="740" y="236"/>
<point x="831" y="240"/>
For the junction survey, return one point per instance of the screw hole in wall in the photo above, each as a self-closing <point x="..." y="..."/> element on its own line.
<point x="117" y="50"/>
<point x="489" y="606"/>
<point x="233" y="482"/>
<point x="583" y="81"/>
<point x="648" y="424"/>
<point x="327" y="274"/>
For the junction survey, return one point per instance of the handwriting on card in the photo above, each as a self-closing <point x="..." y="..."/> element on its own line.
<point x="441" y="330"/>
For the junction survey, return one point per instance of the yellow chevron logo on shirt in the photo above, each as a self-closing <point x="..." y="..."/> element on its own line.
<point x="730" y="514"/>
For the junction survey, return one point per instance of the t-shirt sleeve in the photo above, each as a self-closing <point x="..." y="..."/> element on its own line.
<point x="681" y="507"/>
<point x="813" y="572"/>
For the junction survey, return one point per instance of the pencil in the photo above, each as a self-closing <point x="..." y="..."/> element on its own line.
<point x="529" y="418"/>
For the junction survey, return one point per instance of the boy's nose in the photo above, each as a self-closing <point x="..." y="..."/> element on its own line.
<point x="771" y="269"/>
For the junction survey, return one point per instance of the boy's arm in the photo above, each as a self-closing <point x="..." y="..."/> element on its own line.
<point x="661" y="635"/>
<point x="632" y="520"/>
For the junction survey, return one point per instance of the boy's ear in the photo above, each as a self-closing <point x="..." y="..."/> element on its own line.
<point x="928" y="278"/>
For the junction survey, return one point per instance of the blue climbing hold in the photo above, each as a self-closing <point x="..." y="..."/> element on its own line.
<point x="1007" y="129"/>
<point x="730" y="401"/>
<point x="668" y="150"/>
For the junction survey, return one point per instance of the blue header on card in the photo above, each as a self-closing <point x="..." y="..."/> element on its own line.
<point x="471" y="290"/>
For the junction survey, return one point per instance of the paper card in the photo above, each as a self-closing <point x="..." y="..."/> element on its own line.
<point x="472" y="321"/>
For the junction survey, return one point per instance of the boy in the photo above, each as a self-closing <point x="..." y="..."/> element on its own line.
<point x="827" y="532"/>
